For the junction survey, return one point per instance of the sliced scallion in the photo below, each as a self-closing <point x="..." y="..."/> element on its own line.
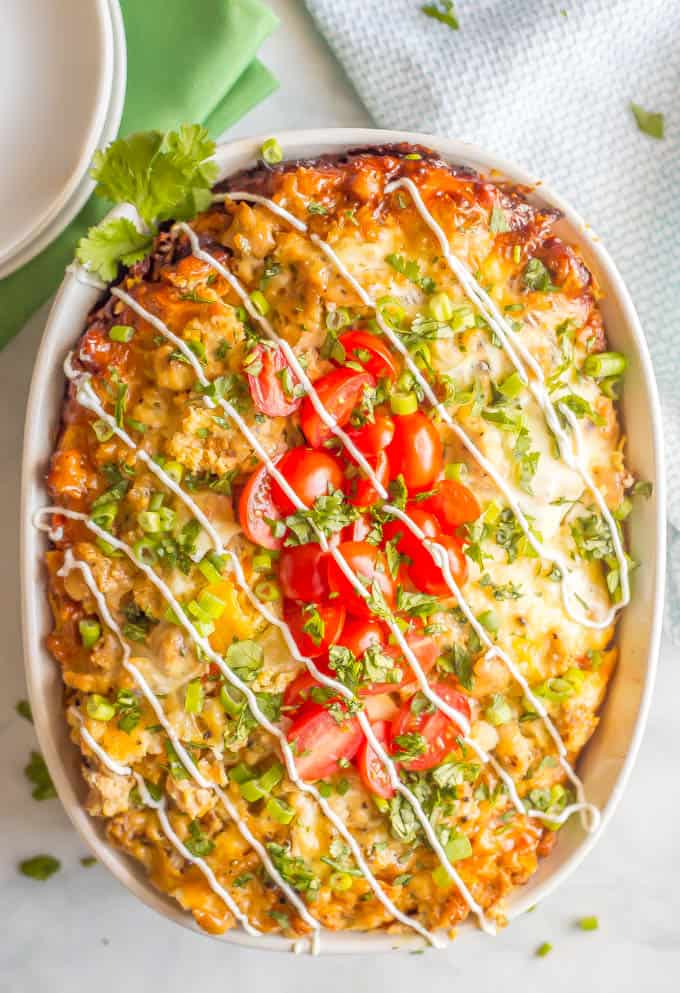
<point x="403" y="403"/>
<point x="259" y="300"/>
<point x="194" y="697"/>
<point x="90" y="632"/>
<point x="121" y="332"/>
<point x="99" y="708"/>
<point x="271" y="151"/>
<point x="605" y="364"/>
<point x="279" y="810"/>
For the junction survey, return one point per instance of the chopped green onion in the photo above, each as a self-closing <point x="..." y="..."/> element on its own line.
<point x="279" y="810"/>
<point x="262" y="560"/>
<point x="108" y="549"/>
<point x="231" y="706"/>
<point x="105" y="514"/>
<point x="260" y="302"/>
<point x="458" y="848"/>
<point x="145" y="551"/>
<point x="589" y="923"/>
<point x="204" y="628"/>
<point x="252" y="791"/>
<point x="544" y="949"/>
<point x="498" y="712"/>
<point x="340" y="881"/>
<point x="156" y="501"/>
<point x="240" y="773"/>
<point x="605" y="364"/>
<point x="99" y="708"/>
<point x="391" y="311"/>
<point x="271" y="151"/>
<point x="211" y="605"/>
<point x="267" y="591"/>
<point x="512" y="386"/>
<point x="272" y="777"/>
<point x="194" y="698"/>
<point x="90" y="632"/>
<point x="167" y="518"/>
<point x="149" y="521"/>
<point x="441" y="307"/>
<point x="121" y="332"/>
<point x="209" y="571"/>
<point x="175" y="470"/>
<point x="403" y="403"/>
<point x="338" y="318"/>
<point x="457" y="471"/>
<point x="102" y="430"/>
<point x="489" y="620"/>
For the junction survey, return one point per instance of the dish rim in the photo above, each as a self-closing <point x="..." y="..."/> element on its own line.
<point x="232" y="156"/>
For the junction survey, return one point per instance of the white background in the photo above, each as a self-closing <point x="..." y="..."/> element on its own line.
<point x="80" y="931"/>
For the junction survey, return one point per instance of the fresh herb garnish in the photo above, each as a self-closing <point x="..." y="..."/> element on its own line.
<point x="411" y="270"/>
<point x="198" y="843"/>
<point x="650" y="122"/>
<point x="442" y="11"/>
<point x="163" y="175"/>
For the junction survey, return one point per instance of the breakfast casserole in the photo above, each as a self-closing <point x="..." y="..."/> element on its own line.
<point x="336" y="547"/>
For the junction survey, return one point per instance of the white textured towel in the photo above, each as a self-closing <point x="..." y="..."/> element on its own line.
<point x="549" y="86"/>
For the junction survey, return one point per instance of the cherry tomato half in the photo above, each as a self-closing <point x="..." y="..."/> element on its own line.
<point x="320" y="741"/>
<point x="357" y="530"/>
<point x="361" y="491"/>
<point x="297" y="693"/>
<point x="256" y="504"/>
<point x="359" y="635"/>
<point x="453" y="504"/>
<point x="416" y="451"/>
<point x="267" y="388"/>
<point x="339" y="391"/>
<point x="302" y="573"/>
<point x="426" y="574"/>
<point x="407" y="541"/>
<point x="426" y="652"/>
<point x="370" y="352"/>
<point x="368" y="563"/>
<point x="374" y="436"/>
<point x="438" y="730"/>
<point x="309" y="473"/>
<point x="314" y="644"/>
<point x="371" y="769"/>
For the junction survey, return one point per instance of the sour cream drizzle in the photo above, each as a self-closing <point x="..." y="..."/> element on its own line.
<point x="590" y="813"/>
<point x="351" y="577"/>
<point x="511" y="341"/>
<point x="264" y="722"/>
<point x="481" y="300"/>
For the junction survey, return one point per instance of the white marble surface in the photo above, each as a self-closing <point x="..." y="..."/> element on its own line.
<point x="81" y="931"/>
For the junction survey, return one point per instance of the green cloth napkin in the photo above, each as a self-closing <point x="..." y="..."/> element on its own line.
<point x="186" y="61"/>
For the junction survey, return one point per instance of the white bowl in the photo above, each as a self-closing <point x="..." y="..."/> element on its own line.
<point x="607" y="762"/>
<point x="58" y="63"/>
<point x="86" y="186"/>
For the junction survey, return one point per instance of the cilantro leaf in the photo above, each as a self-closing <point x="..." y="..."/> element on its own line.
<point x="648" y="121"/>
<point x="163" y="175"/>
<point x="110" y="243"/>
<point x="442" y="11"/>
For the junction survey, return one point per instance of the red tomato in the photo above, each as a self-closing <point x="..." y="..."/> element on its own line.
<point x="266" y="388"/>
<point x="374" y="436"/>
<point x="358" y="530"/>
<point x="368" y="564"/>
<point x="416" y="451"/>
<point x="371" y="769"/>
<point x="255" y="505"/>
<point x="310" y="474"/>
<point x="359" y="635"/>
<point x="371" y="352"/>
<point x="302" y="573"/>
<point x="361" y="491"/>
<point x="426" y="574"/>
<point x="339" y="391"/>
<point x="297" y="693"/>
<point x="438" y="730"/>
<point x="408" y="542"/>
<point x="453" y="504"/>
<point x="332" y="616"/>
<point x="320" y="741"/>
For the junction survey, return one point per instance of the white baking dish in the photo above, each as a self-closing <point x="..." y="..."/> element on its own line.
<point x="605" y="766"/>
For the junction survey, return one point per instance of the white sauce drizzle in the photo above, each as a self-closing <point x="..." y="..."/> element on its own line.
<point x="71" y="564"/>
<point x="590" y="814"/>
<point x="264" y="722"/>
<point x="337" y="556"/>
<point x="492" y="315"/>
<point x="88" y="398"/>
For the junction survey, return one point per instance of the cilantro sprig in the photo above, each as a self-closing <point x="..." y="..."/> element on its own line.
<point x="163" y="175"/>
